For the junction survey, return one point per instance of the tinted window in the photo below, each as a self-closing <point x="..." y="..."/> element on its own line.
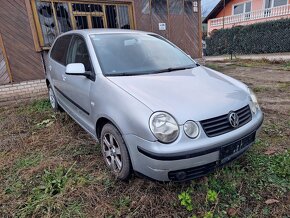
<point x="59" y="50"/>
<point x="138" y="54"/>
<point x="78" y="53"/>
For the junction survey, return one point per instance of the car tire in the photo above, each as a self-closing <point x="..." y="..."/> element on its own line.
<point x="115" y="152"/>
<point x="52" y="99"/>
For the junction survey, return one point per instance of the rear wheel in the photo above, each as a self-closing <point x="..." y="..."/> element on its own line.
<point x="52" y="99"/>
<point x="115" y="152"/>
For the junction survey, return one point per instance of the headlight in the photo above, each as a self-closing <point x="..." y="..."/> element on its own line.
<point x="254" y="102"/>
<point x="191" y="129"/>
<point x="164" y="127"/>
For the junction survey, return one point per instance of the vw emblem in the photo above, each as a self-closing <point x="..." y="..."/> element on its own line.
<point x="234" y="119"/>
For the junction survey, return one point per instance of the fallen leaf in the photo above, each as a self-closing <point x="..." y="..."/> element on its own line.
<point x="269" y="152"/>
<point x="231" y="212"/>
<point x="271" y="201"/>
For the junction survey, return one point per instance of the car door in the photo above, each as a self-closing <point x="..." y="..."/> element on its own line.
<point x="78" y="87"/>
<point x="57" y="66"/>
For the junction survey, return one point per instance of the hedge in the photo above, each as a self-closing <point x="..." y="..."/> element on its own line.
<point x="267" y="37"/>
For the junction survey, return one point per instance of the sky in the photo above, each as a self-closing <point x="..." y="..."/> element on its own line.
<point x="207" y="6"/>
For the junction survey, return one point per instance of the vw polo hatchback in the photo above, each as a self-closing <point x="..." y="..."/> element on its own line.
<point x="152" y="108"/>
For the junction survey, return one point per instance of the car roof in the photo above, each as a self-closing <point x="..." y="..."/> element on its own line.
<point x="104" y="31"/>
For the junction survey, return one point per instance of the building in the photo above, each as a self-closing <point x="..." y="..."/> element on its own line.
<point x="28" y="27"/>
<point x="230" y="13"/>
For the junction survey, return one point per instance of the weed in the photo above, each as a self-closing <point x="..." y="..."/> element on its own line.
<point x="283" y="86"/>
<point x="208" y="215"/>
<point x="73" y="209"/>
<point x="42" y="200"/>
<point x="214" y="66"/>
<point x="280" y="165"/>
<point x="40" y="106"/>
<point x="212" y="196"/>
<point x="258" y="89"/>
<point x="30" y="161"/>
<point x="108" y="183"/>
<point x="123" y="202"/>
<point x="287" y="65"/>
<point x="185" y="200"/>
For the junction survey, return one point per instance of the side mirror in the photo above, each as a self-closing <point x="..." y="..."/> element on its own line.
<point x="76" y="69"/>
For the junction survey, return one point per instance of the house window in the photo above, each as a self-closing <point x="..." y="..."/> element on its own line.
<point x="242" y="8"/>
<point x="175" y="7"/>
<point x="46" y="21"/>
<point x="188" y="7"/>
<point x="53" y="17"/>
<point x="159" y="6"/>
<point x="145" y="6"/>
<point x="275" y="3"/>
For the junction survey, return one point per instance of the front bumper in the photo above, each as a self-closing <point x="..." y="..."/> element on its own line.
<point x="187" y="158"/>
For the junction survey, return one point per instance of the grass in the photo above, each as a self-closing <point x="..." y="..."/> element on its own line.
<point x="49" y="167"/>
<point x="249" y="63"/>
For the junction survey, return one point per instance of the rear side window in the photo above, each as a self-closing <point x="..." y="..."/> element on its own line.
<point x="59" y="50"/>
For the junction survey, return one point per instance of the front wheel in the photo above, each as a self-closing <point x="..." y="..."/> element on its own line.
<point x="115" y="152"/>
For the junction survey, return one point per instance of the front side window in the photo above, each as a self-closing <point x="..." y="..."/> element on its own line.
<point x="78" y="53"/>
<point x="59" y="49"/>
<point x="242" y="8"/>
<point x="137" y="54"/>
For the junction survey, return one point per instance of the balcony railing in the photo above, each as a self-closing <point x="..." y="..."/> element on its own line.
<point x="253" y="15"/>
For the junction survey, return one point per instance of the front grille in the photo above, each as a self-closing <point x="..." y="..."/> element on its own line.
<point x="221" y="125"/>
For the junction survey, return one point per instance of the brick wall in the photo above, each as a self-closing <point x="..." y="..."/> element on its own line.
<point x="22" y="91"/>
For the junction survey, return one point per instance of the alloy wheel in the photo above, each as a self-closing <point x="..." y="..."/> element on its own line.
<point x="52" y="98"/>
<point x="112" y="152"/>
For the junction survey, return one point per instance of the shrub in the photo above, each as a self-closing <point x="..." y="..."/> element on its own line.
<point x="266" y="37"/>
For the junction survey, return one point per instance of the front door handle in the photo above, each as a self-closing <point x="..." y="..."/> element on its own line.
<point x="63" y="77"/>
<point x="50" y="67"/>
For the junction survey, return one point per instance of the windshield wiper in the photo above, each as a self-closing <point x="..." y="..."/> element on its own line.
<point x="123" y="74"/>
<point x="171" y="69"/>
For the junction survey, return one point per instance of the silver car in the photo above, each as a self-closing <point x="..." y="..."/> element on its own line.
<point x="153" y="109"/>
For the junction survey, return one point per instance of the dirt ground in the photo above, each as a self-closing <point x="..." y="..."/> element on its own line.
<point x="49" y="167"/>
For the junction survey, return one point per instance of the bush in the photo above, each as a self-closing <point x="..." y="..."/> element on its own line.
<point x="267" y="37"/>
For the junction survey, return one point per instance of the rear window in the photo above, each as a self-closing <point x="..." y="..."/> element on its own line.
<point x="59" y="50"/>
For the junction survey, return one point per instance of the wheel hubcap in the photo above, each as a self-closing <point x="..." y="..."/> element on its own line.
<point x="51" y="98"/>
<point x="112" y="152"/>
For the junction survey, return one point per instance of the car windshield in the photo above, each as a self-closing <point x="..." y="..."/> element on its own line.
<point x="138" y="54"/>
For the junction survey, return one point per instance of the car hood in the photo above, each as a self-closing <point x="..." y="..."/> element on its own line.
<point x="194" y="94"/>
